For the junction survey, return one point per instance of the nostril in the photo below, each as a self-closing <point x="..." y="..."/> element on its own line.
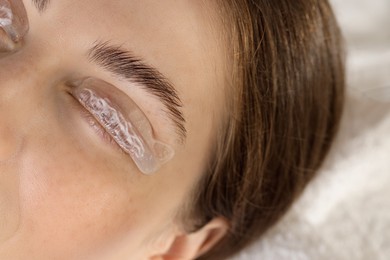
<point x="13" y="24"/>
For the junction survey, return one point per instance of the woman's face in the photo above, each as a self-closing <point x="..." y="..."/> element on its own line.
<point x="67" y="189"/>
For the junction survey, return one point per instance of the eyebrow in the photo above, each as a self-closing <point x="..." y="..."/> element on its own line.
<point x="124" y="64"/>
<point x="41" y="4"/>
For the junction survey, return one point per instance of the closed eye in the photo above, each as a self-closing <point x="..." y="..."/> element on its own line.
<point x="124" y="121"/>
<point x="13" y="25"/>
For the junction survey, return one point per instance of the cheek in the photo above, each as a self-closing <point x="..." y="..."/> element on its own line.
<point x="73" y="204"/>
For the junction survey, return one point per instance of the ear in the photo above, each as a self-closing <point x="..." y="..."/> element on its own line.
<point x="192" y="245"/>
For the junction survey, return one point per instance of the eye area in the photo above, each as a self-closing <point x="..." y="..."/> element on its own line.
<point x="96" y="126"/>
<point x="14" y="24"/>
<point x="124" y="121"/>
<point x="113" y="122"/>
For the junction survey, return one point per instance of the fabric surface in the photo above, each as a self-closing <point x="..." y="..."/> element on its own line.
<point x="345" y="212"/>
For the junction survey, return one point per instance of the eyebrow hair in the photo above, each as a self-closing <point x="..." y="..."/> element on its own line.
<point x="125" y="65"/>
<point x="41" y="4"/>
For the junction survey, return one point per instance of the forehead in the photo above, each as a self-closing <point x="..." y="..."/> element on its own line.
<point x="176" y="36"/>
<point x="180" y="38"/>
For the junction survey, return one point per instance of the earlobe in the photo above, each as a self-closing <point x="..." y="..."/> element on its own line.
<point x="192" y="245"/>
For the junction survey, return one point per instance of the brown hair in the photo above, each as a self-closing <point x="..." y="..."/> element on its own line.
<point x="286" y="102"/>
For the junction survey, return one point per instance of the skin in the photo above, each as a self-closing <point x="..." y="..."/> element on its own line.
<point x="64" y="192"/>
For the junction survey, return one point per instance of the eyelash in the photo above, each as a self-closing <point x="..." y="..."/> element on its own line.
<point x="126" y="125"/>
<point x="97" y="126"/>
<point x="113" y="121"/>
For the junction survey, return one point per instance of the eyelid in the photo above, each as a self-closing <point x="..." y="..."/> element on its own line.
<point x="126" y="123"/>
<point x="13" y="24"/>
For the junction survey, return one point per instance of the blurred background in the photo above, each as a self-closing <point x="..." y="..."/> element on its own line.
<point x="345" y="212"/>
<point x="366" y="26"/>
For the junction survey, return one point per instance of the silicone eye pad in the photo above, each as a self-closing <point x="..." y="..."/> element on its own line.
<point x="13" y="23"/>
<point x="125" y="122"/>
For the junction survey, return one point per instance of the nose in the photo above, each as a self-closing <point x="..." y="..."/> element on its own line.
<point x="10" y="113"/>
<point x="18" y="83"/>
<point x="10" y="145"/>
<point x="13" y="27"/>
